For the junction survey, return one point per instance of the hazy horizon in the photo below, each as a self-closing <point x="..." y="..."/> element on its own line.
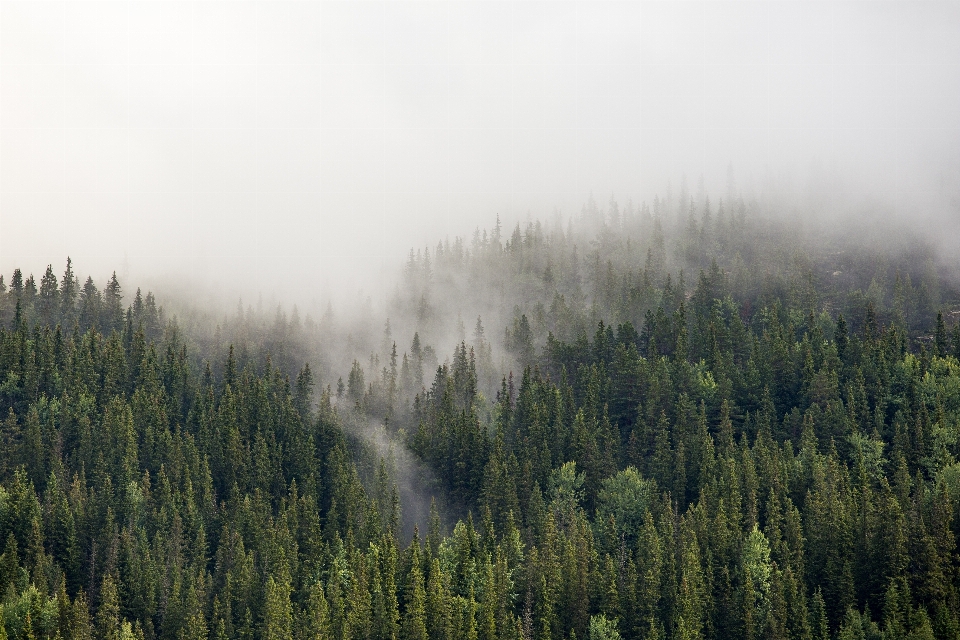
<point x="306" y="146"/>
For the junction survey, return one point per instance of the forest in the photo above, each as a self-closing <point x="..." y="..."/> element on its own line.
<point x="676" y="420"/>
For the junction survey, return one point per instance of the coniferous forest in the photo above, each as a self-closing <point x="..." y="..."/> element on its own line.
<point x="681" y="420"/>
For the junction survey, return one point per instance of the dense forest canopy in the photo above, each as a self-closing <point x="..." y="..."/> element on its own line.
<point x="681" y="420"/>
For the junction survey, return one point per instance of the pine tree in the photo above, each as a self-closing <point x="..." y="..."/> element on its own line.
<point x="415" y="612"/>
<point x="940" y="337"/>
<point x="16" y="282"/>
<point x="89" y="305"/>
<point x="108" y="613"/>
<point x="68" y="295"/>
<point x="818" y="617"/>
<point x="111" y="316"/>
<point x="277" y="613"/>
<point x="48" y="304"/>
<point x="840" y="337"/>
<point x="303" y="398"/>
<point x="315" y="622"/>
<point x="437" y="606"/>
<point x="691" y="596"/>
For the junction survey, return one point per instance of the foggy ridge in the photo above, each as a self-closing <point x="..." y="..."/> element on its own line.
<point x="479" y="320"/>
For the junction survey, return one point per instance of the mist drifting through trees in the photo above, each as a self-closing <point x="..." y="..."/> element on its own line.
<point x="494" y="321"/>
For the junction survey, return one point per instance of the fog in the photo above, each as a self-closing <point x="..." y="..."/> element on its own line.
<point x="295" y="151"/>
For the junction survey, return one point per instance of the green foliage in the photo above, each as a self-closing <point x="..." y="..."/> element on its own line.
<point x="625" y="499"/>
<point x="769" y="453"/>
<point x="603" y="629"/>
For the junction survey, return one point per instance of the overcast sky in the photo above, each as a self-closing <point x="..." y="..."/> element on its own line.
<point x="303" y="144"/>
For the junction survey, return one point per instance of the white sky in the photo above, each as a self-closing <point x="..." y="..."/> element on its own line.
<point x="305" y="146"/>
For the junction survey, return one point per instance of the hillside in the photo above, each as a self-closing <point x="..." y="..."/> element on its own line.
<point x="674" y="421"/>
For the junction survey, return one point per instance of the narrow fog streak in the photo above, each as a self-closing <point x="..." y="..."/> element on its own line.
<point x="415" y="483"/>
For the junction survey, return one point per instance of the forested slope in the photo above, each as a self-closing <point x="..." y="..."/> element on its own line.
<point x="716" y="424"/>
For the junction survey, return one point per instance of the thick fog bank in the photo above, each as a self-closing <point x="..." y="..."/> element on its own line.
<point x="295" y="151"/>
